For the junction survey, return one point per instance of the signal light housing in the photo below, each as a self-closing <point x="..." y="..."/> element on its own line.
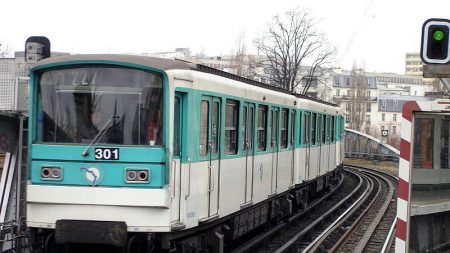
<point x="435" y="41"/>
<point x="137" y="176"/>
<point x="51" y="173"/>
<point x="36" y="49"/>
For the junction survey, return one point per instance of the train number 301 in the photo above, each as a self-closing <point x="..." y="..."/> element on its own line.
<point x="106" y="154"/>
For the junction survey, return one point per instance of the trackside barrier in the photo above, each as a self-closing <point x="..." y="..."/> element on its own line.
<point x="362" y="146"/>
<point x="11" y="195"/>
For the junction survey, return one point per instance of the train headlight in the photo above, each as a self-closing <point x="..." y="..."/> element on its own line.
<point x="51" y="173"/>
<point x="140" y="176"/>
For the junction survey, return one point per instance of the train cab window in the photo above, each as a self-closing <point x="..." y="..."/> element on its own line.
<point x="204" y="127"/>
<point x="333" y="130"/>
<point x="231" y="125"/>
<point x="102" y="105"/>
<point x="284" y="128"/>
<point x="262" y="127"/>
<point x="313" y="128"/>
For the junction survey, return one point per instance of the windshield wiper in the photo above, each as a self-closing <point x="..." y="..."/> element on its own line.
<point x="100" y="134"/>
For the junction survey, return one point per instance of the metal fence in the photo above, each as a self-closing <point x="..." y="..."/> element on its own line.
<point x="13" y="233"/>
<point x="363" y="146"/>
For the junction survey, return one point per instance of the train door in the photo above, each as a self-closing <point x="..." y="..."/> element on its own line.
<point x="320" y="134"/>
<point x="248" y="117"/>
<point x="292" y="182"/>
<point x="306" y="141"/>
<point x="329" y="141"/>
<point x="274" y="148"/>
<point x="210" y="124"/>
<point x="176" y="162"/>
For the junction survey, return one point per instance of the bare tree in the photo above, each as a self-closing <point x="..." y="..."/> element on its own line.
<point x="239" y="59"/>
<point x="289" y="42"/>
<point x="357" y="104"/>
<point x="4" y="50"/>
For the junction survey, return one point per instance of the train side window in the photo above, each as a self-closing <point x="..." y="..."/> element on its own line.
<point x="231" y="123"/>
<point x="284" y="128"/>
<point x="204" y="127"/>
<point x="328" y="129"/>
<point x="262" y="127"/>
<point x="306" y="127"/>
<point x="215" y="127"/>
<point x="324" y="138"/>
<point x="293" y="128"/>
<point x="333" y="129"/>
<point x="313" y="128"/>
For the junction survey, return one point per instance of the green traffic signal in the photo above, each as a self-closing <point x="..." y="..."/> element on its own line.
<point x="438" y="35"/>
<point x="435" y="48"/>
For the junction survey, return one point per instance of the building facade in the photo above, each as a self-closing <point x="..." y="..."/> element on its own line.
<point x="14" y="82"/>
<point x="389" y="115"/>
<point x="7" y="81"/>
<point x="413" y="64"/>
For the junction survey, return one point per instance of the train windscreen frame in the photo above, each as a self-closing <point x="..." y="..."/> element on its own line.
<point x="114" y="105"/>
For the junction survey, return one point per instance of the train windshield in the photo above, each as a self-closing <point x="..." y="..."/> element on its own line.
<point x="111" y="105"/>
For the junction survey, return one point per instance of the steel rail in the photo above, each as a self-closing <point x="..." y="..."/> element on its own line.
<point x="391" y="235"/>
<point x="292" y="242"/>
<point x="249" y="245"/>
<point x="364" y="203"/>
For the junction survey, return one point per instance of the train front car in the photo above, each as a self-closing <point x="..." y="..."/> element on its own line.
<point x="98" y="156"/>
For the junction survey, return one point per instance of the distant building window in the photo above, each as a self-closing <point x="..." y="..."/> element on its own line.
<point x="347" y="81"/>
<point x="336" y="80"/>
<point x="383" y="116"/>
<point x="383" y="104"/>
<point x="368" y="94"/>
<point x="394" y="129"/>
<point x="395" y="105"/>
<point x="338" y="92"/>
<point x="310" y="81"/>
<point x="369" y="108"/>
<point x="394" y="117"/>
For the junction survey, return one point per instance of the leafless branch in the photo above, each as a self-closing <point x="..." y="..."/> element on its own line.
<point x="290" y="43"/>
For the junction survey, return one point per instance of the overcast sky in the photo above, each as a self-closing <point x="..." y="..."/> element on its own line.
<point x="375" y="33"/>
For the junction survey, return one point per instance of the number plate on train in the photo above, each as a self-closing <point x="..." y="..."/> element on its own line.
<point x="106" y="154"/>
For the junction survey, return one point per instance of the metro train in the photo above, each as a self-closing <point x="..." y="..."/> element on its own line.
<point x="146" y="154"/>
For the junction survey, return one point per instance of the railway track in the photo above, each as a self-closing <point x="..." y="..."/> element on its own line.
<point x="276" y="237"/>
<point x="359" y="217"/>
<point x="372" y="226"/>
